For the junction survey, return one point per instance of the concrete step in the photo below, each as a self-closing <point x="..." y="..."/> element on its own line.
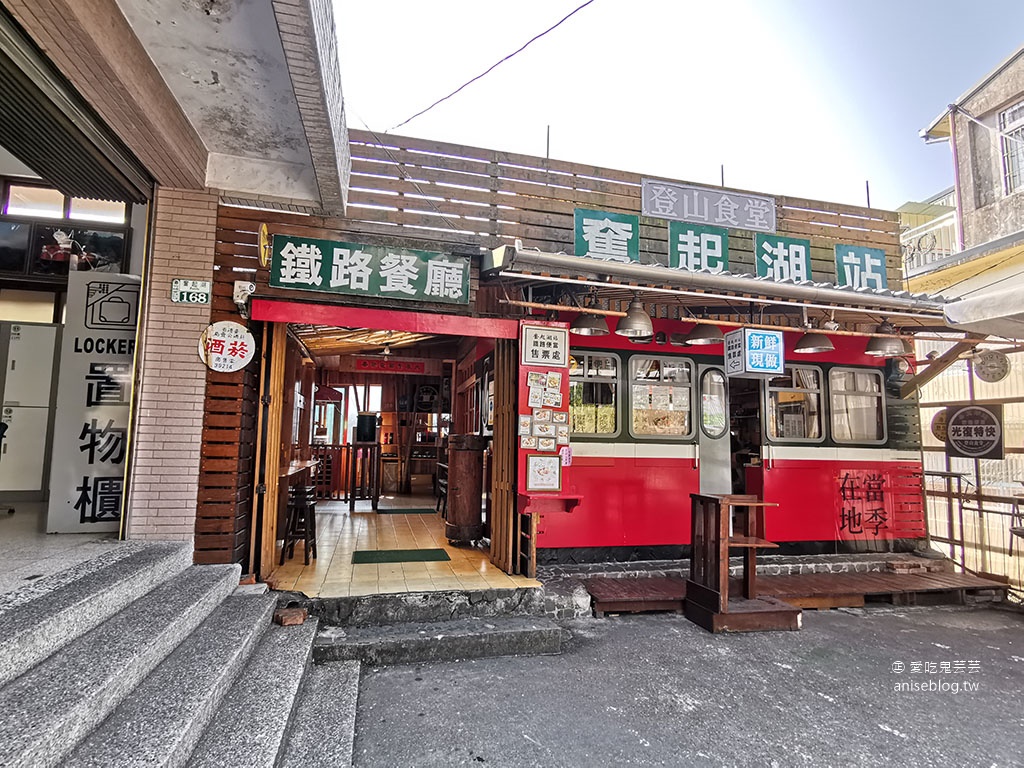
<point x="53" y="706"/>
<point x="49" y="613"/>
<point x="248" y="730"/>
<point x="161" y="721"/>
<point x="441" y="641"/>
<point x="419" y="607"/>
<point x="323" y="728"/>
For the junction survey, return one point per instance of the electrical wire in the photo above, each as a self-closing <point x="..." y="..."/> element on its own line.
<point x="495" y="65"/>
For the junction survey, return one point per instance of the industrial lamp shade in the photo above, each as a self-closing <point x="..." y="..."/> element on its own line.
<point x="705" y="334"/>
<point x="636" y="322"/>
<point x="589" y="325"/>
<point x="879" y="346"/>
<point x="811" y="342"/>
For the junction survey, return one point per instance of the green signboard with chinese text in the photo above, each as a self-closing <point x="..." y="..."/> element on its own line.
<point x="695" y="247"/>
<point x="368" y="270"/>
<point x="782" y="258"/>
<point x="607" y="236"/>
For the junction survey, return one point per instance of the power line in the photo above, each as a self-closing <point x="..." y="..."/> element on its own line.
<point x="494" y="66"/>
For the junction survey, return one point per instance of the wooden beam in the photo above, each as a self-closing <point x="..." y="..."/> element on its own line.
<point x="941" y="363"/>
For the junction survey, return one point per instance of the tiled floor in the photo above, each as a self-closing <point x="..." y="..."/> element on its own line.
<point x="339" y="534"/>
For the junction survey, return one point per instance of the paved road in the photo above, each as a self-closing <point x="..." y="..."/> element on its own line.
<point x="657" y="690"/>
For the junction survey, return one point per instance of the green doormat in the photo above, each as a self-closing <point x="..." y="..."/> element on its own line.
<point x="399" y="556"/>
<point x="413" y="511"/>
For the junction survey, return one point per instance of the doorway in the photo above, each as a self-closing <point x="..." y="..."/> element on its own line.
<point x="371" y="411"/>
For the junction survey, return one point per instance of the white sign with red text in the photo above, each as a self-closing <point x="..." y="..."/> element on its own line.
<point x="226" y="347"/>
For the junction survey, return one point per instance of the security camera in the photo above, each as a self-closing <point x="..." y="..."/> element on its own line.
<point x="240" y="296"/>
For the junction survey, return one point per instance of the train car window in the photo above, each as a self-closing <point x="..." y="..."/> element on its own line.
<point x="857" y="405"/>
<point x="794" y="405"/>
<point x="593" y="394"/>
<point x="661" y="397"/>
<point x="714" y="408"/>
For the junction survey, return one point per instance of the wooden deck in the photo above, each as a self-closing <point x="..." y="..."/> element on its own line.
<point x="813" y="590"/>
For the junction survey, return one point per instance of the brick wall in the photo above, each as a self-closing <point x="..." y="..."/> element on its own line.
<point x="169" y="430"/>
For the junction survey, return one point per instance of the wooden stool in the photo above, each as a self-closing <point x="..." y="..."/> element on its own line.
<point x="301" y="522"/>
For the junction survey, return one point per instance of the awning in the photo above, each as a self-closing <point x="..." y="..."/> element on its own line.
<point x="51" y="129"/>
<point x="996" y="313"/>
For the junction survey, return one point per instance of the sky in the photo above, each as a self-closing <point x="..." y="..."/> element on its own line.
<point x="807" y="98"/>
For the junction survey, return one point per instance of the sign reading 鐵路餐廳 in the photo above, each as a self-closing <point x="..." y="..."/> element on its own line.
<point x="368" y="270"/>
<point x="607" y="236"/>
<point x="707" y="206"/>
<point x="860" y="267"/>
<point x="750" y="352"/>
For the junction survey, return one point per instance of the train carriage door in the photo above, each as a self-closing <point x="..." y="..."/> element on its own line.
<point x="713" y="444"/>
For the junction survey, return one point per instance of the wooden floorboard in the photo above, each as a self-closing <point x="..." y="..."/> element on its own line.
<point x="812" y="589"/>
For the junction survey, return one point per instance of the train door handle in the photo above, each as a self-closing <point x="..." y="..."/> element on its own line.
<point x="767" y="457"/>
<point x="696" y="456"/>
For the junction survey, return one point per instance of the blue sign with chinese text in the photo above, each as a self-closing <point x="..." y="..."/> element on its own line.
<point x="750" y="352"/>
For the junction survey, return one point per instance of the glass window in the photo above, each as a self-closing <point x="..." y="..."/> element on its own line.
<point x="39" y="202"/>
<point x="13" y="245"/>
<point x="1011" y="125"/>
<point x="713" y="413"/>
<point x="97" y="210"/>
<point x="593" y="394"/>
<point x="794" y="405"/>
<point x="661" y="397"/>
<point x="858" y="412"/>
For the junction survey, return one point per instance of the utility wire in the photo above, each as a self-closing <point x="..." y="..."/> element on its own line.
<point x="494" y="66"/>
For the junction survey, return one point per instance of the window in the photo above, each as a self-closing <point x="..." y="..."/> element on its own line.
<point x="794" y="405"/>
<point x="661" y="397"/>
<point x="713" y="403"/>
<point x="1011" y="124"/>
<point x="593" y="394"/>
<point x="40" y="202"/>
<point x="858" y="413"/>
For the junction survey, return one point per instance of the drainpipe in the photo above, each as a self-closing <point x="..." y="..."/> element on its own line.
<point x="956" y="178"/>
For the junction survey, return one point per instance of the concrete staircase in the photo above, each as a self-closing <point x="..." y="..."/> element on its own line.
<point x="433" y="626"/>
<point x="141" y="659"/>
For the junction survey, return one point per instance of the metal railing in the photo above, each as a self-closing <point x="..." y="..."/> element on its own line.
<point x="929" y="243"/>
<point x="982" y="532"/>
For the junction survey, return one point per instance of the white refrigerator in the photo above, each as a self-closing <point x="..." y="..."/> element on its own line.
<point x="27" y="402"/>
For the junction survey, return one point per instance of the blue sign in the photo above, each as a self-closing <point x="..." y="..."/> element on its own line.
<point x="750" y="352"/>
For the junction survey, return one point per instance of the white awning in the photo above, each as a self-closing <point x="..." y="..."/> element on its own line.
<point x="996" y="313"/>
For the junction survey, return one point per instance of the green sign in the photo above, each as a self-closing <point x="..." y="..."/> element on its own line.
<point x="860" y="267"/>
<point x="782" y="258"/>
<point x="368" y="270"/>
<point x="695" y="247"/>
<point x="607" y="236"/>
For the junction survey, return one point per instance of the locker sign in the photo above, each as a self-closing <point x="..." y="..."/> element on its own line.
<point x="190" y="291"/>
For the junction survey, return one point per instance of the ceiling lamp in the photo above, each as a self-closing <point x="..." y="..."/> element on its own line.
<point x="704" y="334"/>
<point x="812" y="341"/>
<point x="587" y="324"/>
<point x="879" y="346"/>
<point x="636" y="322"/>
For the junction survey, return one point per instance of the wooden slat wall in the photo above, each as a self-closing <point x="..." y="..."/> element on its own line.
<point x="503" y="471"/>
<point x="227" y="463"/>
<point x="445" y="193"/>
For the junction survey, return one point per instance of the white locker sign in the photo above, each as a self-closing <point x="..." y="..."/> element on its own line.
<point x="93" y="397"/>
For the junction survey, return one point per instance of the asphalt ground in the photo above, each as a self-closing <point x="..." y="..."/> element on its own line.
<point x="853" y="687"/>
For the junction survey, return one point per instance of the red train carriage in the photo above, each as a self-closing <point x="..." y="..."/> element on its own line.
<point x="829" y="442"/>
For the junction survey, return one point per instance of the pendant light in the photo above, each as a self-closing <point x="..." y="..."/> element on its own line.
<point x="812" y="341"/>
<point x="702" y="334"/>
<point x="883" y="347"/>
<point x="587" y="324"/>
<point x="636" y="322"/>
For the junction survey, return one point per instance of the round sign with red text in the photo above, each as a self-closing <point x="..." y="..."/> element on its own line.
<point x="226" y="346"/>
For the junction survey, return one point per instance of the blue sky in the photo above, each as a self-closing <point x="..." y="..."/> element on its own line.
<point x="809" y="98"/>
